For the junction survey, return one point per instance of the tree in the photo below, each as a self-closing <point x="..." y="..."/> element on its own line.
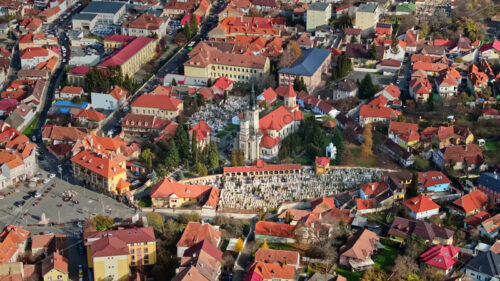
<point x="424" y="30"/>
<point x="374" y="275"/>
<point x="213" y="156"/>
<point x="421" y="164"/>
<point x="239" y="246"/>
<point x="404" y="266"/>
<point x="193" y="25"/>
<point x="187" y="31"/>
<point x="299" y="84"/>
<point x="338" y="141"/>
<point x="264" y="245"/>
<point x="288" y="217"/>
<point x="291" y="53"/>
<point x="102" y="223"/>
<point x="194" y="148"/>
<point x="431" y="274"/>
<point x="459" y="238"/>
<point x="366" y="88"/>
<point x="366" y="146"/>
<point x="201" y="169"/>
<point x="435" y="220"/>
<point x="181" y="139"/>
<point x="415" y="245"/>
<point x="325" y="251"/>
<point x="193" y="216"/>
<point x="155" y="220"/>
<point x="172" y="160"/>
<point x="174" y="82"/>
<point x="237" y="157"/>
<point x="372" y="52"/>
<point x="180" y="38"/>
<point x="465" y="98"/>
<point x="147" y="158"/>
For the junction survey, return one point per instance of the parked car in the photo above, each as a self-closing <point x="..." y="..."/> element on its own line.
<point x="19" y="203"/>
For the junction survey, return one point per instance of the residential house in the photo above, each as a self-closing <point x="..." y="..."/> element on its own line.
<point x="203" y="9"/>
<point x="145" y="25"/>
<point x="55" y="267"/>
<point x="422" y="207"/>
<point x="430" y="68"/>
<point x="318" y="14"/>
<point x="268" y="97"/>
<point x="477" y="81"/>
<point x="370" y="113"/>
<point x="196" y="232"/>
<point x="30" y="24"/>
<point x="490" y="227"/>
<point x="202" y="132"/>
<point x="274" y="232"/>
<point x="71" y="92"/>
<point x="401" y="228"/>
<point x="310" y="67"/>
<point x="398" y="182"/>
<point x="489" y="183"/>
<point x="475" y="220"/>
<point x="278" y="257"/>
<point x="484" y="266"/>
<point x="208" y="62"/>
<point x="361" y="56"/>
<point x="404" y="134"/>
<point x="13" y="242"/>
<point x="270" y="272"/>
<point x="109" y="101"/>
<point x="446" y="85"/>
<point x="147" y="127"/>
<point x="433" y="181"/>
<point x="46" y="244"/>
<point x="389" y="66"/>
<point x="490" y="51"/>
<point x="367" y="16"/>
<point x="372" y="189"/>
<point x="420" y="89"/>
<point x="441" y="257"/>
<point x="252" y="26"/>
<point x="171" y="194"/>
<point x="76" y="76"/>
<point x="57" y="134"/>
<point x="158" y="105"/>
<point x="468" y="157"/>
<point x="397" y="152"/>
<point x="345" y="88"/>
<point x="265" y="5"/>
<point x="111" y="253"/>
<point x="33" y="56"/>
<point x="17" y="160"/>
<point x="357" y="251"/>
<point x="352" y="35"/>
<point x="471" y="203"/>
<point x="203" y="256"/>
<point x="36" y="39"/>
<point x="100" y="172"/>
<point x="318" y="276"/>
<point x="91" y="117"/>
<point x="446" y="136"/>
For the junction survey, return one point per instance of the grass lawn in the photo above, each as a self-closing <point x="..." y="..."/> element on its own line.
<point x="351" y="276"/>
<point x="385" y="257"/>
<point x="282" y="246"/>
<point x="492" y="145"/>
<point x="359" y="161"/>
<point x="29" y="130"/>
<point x="303" y="160"/>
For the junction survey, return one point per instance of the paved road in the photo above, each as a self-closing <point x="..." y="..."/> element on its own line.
<point x="239" y="270"/>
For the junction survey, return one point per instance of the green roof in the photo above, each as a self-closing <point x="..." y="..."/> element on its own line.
<point x="406" y="7"/>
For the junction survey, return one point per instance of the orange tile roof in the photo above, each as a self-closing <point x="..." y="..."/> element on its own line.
<point x="100" y="165"/>
<point x="429" y="67"/>
<point x="157" y="101"/>
<point x="475" y="220"/>
<point x="270" y="271"/>
<point x="421" y="203"/>
<point x="278" y="119"/>
<point x="431" y="178"/>
<point x="122" y="184"/>
<point x="202" y="130"/>
<point x="421" y="86"/>
<point x="274" y="229"/>
<point x="360" y="246"/>
<point x="10" y="238"/>
<point x="363" y="204"/>
<point x="41" y="241"/>
<point x="57" y="262"/>
<point x="31" y="23"/>
<point x="370" y="110"/>
<point x="33" y="52"/>
<point x="276" y="256"/>
<point x="196" y="232"/>
<point x="61" y="133"/>
<point x="162" y="90"/>
<point x="91" y="115"/>
<point x="202" y="55"/>
<point x="405" y="131"/>
<point x="374" y="188"/>
<point x="146" y="21"/>
<point x="72" y="90"/>
<point x="294" y="213"/>
<point x="379" y="100"/>
<point x="472" y="201"/>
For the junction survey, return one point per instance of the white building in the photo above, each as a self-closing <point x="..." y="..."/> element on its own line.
<point x="112" y="101"/>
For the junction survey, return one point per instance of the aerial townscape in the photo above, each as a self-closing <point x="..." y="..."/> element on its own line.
<point x="249" y="140"/>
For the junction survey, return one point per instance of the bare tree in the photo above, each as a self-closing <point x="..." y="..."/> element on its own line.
<point x="404" y="266"/>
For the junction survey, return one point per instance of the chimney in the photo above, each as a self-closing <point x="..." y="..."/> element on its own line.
<point x="373" y="187"/>
<point x="202" y="222"/>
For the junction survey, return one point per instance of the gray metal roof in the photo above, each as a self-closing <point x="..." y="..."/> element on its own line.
<point x="308" y="63"/>
<point x="103" y="7"/>
<point x="84" y="16"/>
<point x="367" y="7"/>
<point x="318" y="6"/>
<point x="485" y="262"/>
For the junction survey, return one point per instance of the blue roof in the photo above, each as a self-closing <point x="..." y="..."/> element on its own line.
<point x="490" y="180"/>
<point x="308" y="63"/>
<point x="62" y="106"/>
<point x="97" y="7"/>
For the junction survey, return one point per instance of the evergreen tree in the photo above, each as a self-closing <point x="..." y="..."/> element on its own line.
<point x="174" y="82"/>
<point x="234" y="157"/>
<point x="194" y="149"/>
<point x="338" y="141"/>
<point x="366" y="88"/>
<point x="241" y="158"/>
<point x="187" y="31"/>
<point x="201" y="169"/>
<point x="181" y="139"/>
<point x="193" y="25"/>
<point x="372" y="52"/>
<point x="213" y="156"/>
<point x="172" y="160"/>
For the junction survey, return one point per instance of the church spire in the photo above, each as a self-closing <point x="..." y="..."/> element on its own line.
<point x="253" y="100"/>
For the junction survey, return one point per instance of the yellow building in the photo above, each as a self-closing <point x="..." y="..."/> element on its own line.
<point x="99" y="171"/>
<point x="322" y="165"/>
<point x="137" y="52"/>
<point x="171" y="194"/>
<point x="55" y="268"/>
<point x="208" y="62"/>
<point x="31" y="40"/>
<point x="161" y="106"/>
<point x="111" y="253"/>
<point x="318" y="14"/>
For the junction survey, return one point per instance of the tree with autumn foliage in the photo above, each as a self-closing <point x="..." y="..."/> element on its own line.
<point x="291" y="53"/>
<point x="367" y="146"/>
<point x="238" y="247"/>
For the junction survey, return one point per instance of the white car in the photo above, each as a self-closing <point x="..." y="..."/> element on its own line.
<point x="34" y="179"/>
<point x="51" y="176"/>
<point x="37" y="194"/>
<point x="46" y="180"/>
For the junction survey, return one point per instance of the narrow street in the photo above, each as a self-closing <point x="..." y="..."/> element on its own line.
<point x="242" y="263"/>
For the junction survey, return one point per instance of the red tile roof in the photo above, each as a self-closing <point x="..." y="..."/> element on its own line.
<point x="322" y="161"/>
<point x="363" y="204"/>
<point x="374" y="188"/>
<point x="475" y="220"/>
<point x="79" y="70"/>
<point x="370" y="110"/>
<point x="472" y="201"/>
<point x="277" y="256"/>
<point x="336" y="216"/>
<point x="196" y="232"/>
<point x="118" y="93"/>
<point x="146" y="21"/>
<point x="109" y="246"/>
<point x="128" y="51"/>
<point x="55" y="261"/>
<point x="443" y="257"/>
<point x="469" y="153"/>
<point x="157" y="101"/>
<point x="98" y="164"/>
<point x="33" y="52"/>
<point x="90" y="115"/>
<point x="202" y="130"/>
<point x="72" y="90"/>
<point x="278" y="118"/>
<point x="406" y="131"/>
<point x="322" y="204"/>
<point x="127" y="235"/>
<point x="203" y="54"/>
<point x="170" y="188"/>
<point x="429" y="67"/>
<point x="421" y="203"/>
<point x="69" y="134"/>
<point x="431" y="178"/>
<point x="294" y="213"/>
<point x="270" y="271"/>
<point x="274" y="229"/>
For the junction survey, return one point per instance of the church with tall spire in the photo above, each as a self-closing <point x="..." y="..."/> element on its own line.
<point x="260" y="138"/>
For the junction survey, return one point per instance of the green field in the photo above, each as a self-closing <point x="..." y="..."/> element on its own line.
<point x="29" y="130"/>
